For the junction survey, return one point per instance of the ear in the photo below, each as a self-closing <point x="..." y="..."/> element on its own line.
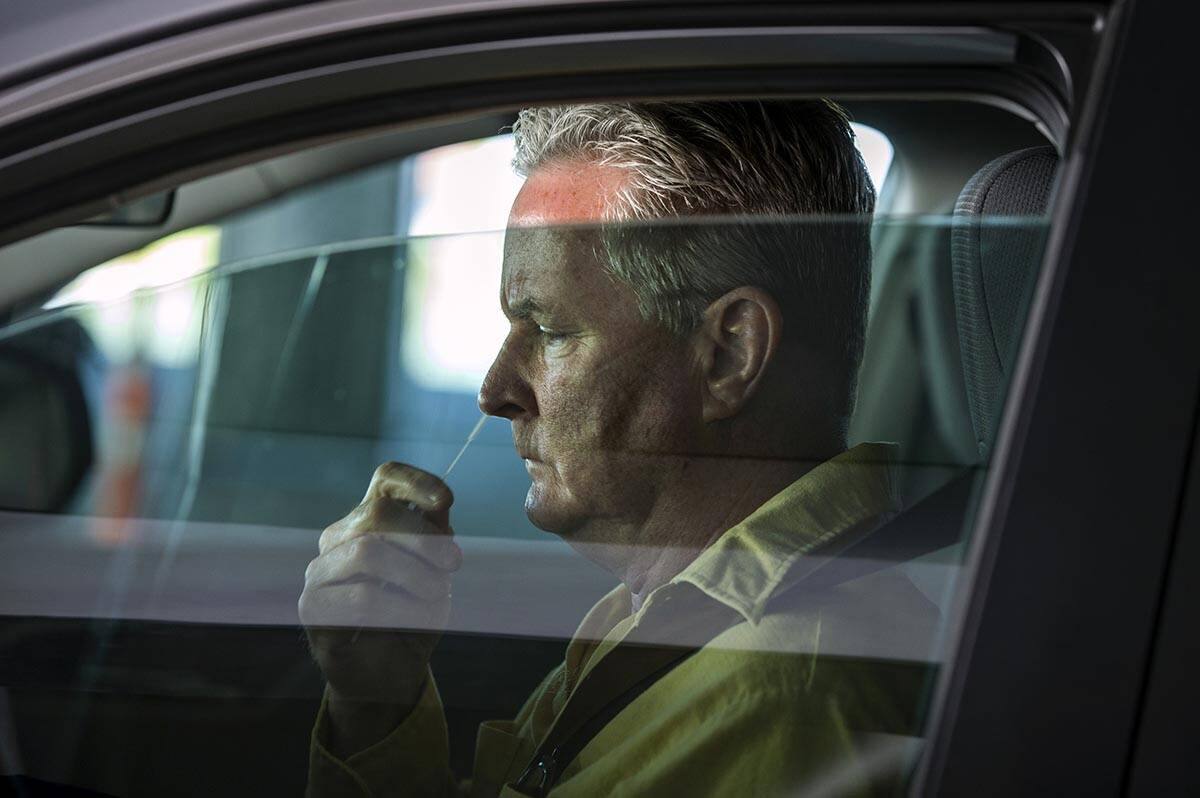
<point x="737" y="341"/>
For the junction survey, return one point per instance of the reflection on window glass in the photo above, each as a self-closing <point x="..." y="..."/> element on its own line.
<point x="659" y="513"/>
<point x="164" y="325"/>
<point x="168" y="260"/>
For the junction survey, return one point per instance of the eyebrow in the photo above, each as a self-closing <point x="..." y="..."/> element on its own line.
<point x="524" y="309"/>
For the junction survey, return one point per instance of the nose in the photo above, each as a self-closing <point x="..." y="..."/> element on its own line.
<point x="505" y="392"/>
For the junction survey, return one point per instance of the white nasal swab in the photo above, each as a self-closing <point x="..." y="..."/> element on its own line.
<point x="471" y="437"/>
<point x="474" y="432"/>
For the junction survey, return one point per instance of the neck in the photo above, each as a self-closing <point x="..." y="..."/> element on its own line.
<point x="702" y="502"/>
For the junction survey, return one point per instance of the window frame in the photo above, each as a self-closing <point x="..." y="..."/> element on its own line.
<point x="298" y="78"/>
<point x="1076" y="540"/>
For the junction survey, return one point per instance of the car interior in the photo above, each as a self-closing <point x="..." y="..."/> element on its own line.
<point x="295" y="386"/>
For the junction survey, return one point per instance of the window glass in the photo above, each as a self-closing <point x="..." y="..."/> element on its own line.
<point x="198" y="412"/>
<point x="451" y="328"/>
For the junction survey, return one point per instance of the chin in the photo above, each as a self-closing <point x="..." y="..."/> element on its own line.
<point x="549" y="514"/>
<point x="573" y="529"/>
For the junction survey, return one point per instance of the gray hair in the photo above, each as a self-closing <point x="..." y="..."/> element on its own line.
<point x="765" y="163"/>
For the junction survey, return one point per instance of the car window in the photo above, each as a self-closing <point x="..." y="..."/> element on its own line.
<point x="215" y="399"/>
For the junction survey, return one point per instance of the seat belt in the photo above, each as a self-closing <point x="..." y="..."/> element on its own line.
<point x="932" y="524"/>
<point x="567" y="739"/>
<point x="616" y="681"/>
<point x="936" y="522"/>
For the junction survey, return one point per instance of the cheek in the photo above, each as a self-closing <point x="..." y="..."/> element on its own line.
<point x="574" y="408"/>
<point x="637" y="403"/>
<point x="610" y="429"/>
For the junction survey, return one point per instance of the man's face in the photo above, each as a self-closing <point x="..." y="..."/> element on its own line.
<point x="603" y="403"/>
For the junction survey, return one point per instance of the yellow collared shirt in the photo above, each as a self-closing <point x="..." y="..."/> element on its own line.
<point x="823" y="694"/>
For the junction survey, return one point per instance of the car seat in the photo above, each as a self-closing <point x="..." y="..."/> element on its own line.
<point x="994" y="268"/>
<point x="996" y="243"/>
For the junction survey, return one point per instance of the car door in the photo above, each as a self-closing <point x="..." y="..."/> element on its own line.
<point x="143" y="630"/>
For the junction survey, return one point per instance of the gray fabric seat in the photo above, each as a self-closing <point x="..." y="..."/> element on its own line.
<point x="996" y="242"/>
<point x="996" y="249"/>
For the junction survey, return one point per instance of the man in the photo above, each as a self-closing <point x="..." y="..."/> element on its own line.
<point x="687" y="287"/>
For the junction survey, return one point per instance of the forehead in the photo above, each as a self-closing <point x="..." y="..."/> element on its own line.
<point x="548" y="255"/>
<point x="566" y="192"/>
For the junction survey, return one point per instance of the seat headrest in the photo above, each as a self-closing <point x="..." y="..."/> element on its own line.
<point x="994" y="266"/>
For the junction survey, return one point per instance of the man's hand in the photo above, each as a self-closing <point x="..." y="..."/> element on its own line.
<point x="376" y="600"/>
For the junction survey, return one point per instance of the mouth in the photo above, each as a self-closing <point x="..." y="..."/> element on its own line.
<point x="525" y="449"/>
<point x="523" y="443"/>
<point x="530" y="460"/>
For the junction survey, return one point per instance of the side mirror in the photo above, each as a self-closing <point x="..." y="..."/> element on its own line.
<point x="46" y="433"/>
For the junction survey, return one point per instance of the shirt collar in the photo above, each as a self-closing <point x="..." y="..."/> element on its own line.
<point x="755" y="559"/>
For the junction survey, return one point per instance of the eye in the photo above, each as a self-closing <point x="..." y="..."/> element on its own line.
<point x="552" y="336"/>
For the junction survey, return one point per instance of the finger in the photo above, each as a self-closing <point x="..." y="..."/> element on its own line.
<point x="400" y="527"/>
<point x="358" y="604"/>
<point x="405" y="483"/>
<point x="369" y="558"/>
<point x="436" y="545"/>
<point x="373" y="515"/>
